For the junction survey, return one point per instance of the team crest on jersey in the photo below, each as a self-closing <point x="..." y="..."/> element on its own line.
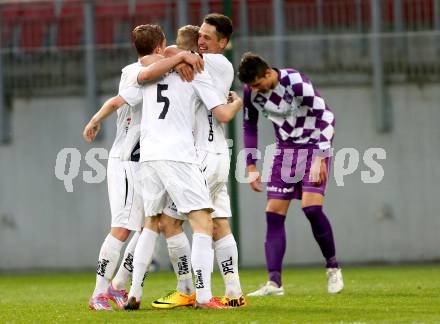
<point x="260" y="99"/>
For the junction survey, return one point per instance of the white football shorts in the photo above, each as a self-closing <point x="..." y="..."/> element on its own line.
<point x="215" y="167"/>
<point x="124" y="194"/>
<point x="180" y="182"/>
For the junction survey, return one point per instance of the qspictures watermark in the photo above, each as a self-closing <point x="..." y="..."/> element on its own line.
<point x="346" y="161"/>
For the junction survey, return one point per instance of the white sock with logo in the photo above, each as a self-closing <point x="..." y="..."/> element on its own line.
<point x="107" y="262"/>
<point x="125" y="271"/>
<point x="143" y="254"/>
<point x="202" y="258"/>
<point x="179" y="251"/>
<point x="226" y="253"/>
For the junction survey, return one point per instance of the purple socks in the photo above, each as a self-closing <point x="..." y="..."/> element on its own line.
<point x="275" y="245"/>
<point x="322" y="231"/>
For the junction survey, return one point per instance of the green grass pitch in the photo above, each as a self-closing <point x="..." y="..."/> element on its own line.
<point x="391" y="294"/>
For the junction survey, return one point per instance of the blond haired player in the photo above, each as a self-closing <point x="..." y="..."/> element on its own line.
<point x="213" y="154"/>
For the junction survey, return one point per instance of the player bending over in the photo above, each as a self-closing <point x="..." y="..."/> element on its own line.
<point x="304" y="129"/>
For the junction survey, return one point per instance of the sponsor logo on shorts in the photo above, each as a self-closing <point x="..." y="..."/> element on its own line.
<point x="199" y="280"/>
<point x="102" y="266"/>
<point x="128" y="263"/>
<point x="173" y="207"/>
<point x="279" y="190"/>
<point x="227" y="266"/>
<point x="182" y="264"/>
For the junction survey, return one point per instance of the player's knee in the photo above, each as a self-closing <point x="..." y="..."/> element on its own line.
<point x="152" y="223"/>
<point x="220" y="229"/>
<point x="120" y="233"/>
<point x="202" y="225"/>
<point x="277" y="206"/>
<point x="170" y="227"/>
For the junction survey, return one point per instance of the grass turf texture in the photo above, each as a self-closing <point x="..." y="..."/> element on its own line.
<point x="392" y="294"/>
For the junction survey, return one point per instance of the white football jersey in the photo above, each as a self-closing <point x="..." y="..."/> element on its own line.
<point x="128" y="116"/>
<point x="209" y="133"/>
<point x="168" y="115"/>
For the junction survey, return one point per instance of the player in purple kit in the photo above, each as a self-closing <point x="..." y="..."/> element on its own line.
<point x="304" y="129"/>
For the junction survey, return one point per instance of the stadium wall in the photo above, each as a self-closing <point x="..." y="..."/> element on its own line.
<point x="43" y="226"/>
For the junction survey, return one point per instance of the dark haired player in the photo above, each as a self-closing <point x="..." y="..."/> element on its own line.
<point x="304" y="129"/>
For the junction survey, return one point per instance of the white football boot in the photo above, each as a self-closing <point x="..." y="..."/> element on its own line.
<point x="335" y="283"/>
<point x="269" y="289"/>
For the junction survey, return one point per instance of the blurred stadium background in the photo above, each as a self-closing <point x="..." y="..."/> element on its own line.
<point x="376" y="62"/>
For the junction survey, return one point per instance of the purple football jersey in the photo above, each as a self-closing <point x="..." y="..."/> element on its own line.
<point x="298" y="112"/>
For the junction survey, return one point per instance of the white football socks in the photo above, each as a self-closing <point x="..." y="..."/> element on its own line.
<point x="202" y="258"/>
<point x="143" y="254"/>
<point x="226" y="253"/>
<point x="107" y="262"/>
<point x="179" y="251"/>
<point x="125" y="271"/>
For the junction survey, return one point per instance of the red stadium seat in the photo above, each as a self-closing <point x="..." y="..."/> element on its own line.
<point x="10" y="14"/>
<point x="35" y="22"/>
<point x="70" y="24"/>
<point x="150" y="13"/>
<point x="107" y="17"/>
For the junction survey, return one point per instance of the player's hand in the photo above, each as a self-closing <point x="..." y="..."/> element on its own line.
<point x="318" y="171"/>
<point x="233" y="96"/>
<point x="91" y="130"/>
<point x="195" y="60"/>
<point x="255" y="178"/>
<point x="185" y="71"/>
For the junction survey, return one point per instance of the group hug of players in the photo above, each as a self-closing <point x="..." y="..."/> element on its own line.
<point x="169" y="163"/>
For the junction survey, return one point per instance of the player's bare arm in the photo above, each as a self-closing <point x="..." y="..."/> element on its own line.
<point x="150" y="59"/>
<point x="185" y="71"/>
<point x="225" y="113"/>
<point x="171" y="50"/>
<point x="94" y="125"/>
<point x="161" y="67"/>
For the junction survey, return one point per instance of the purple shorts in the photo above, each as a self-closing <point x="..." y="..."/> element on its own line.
<point x="290" y="174"/>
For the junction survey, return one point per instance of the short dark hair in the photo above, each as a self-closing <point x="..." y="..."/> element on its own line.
<point x="146" y="38"/>
<point x="222" y="23"/>
<point x="251" y="67"/>
<point x="187" y="37"/>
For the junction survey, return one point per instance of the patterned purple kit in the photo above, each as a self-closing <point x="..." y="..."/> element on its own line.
<point x="301" y="119"/>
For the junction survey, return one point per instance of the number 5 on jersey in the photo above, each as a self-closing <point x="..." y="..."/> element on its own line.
<point x="161" y="98"/>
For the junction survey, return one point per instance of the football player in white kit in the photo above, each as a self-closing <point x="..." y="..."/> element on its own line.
<point x="126" y="204"/>
<point x="124" y="193"/>
<point x="213" y="155"/>
<point x="170" y="169"/>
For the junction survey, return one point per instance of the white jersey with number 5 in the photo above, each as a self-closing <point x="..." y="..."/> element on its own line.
<point x="209" y="132"/>
<point x="168" y="115"/>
